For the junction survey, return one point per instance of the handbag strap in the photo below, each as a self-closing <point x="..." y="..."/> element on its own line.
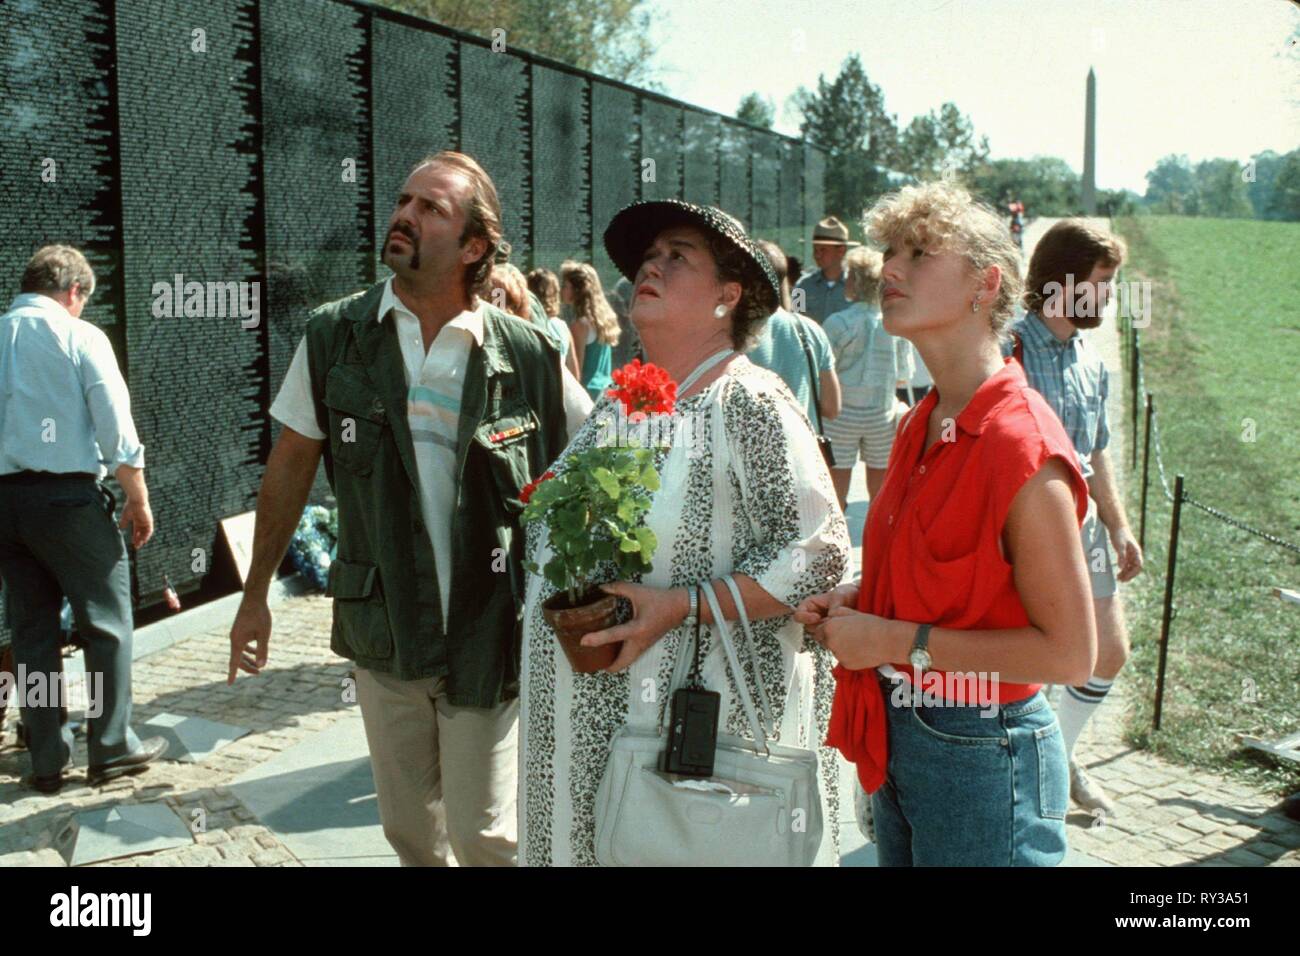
<point x="813" y="380"/>
<point x="752" y="646"/>
<point x="733" y="665"/>
<point x="678" y="678"/>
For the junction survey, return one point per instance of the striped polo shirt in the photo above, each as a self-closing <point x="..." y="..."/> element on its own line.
<point x="435" y="381"/>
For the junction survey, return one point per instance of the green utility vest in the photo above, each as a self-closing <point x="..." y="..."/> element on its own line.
<point x="387" y="605"/>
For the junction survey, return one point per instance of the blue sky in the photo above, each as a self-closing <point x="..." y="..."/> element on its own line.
<point x="1203" y="77"/>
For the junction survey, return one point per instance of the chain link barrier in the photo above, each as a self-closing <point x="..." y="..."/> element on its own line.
<point x="1136" y="356"/>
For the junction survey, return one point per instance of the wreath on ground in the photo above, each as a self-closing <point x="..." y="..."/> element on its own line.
<point x="315" y="543"/>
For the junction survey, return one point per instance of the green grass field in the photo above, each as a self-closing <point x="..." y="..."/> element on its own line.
<point x="1222" y="358"/>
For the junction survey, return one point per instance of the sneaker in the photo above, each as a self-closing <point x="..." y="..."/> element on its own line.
<point x="1086" y="793"/>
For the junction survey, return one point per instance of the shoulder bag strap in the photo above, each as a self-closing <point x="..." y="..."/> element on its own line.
<point x="812" y="373"/>
<point x="733" y="665"/>
<point x="752" y="646"/>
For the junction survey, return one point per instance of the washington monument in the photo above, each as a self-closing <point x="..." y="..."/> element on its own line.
<point x="1090" y="148"/>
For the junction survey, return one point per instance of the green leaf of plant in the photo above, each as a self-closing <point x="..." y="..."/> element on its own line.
<point x="646" y="540"/>
<point x="608" y="483"/>
<point x="571" y="519"/>
<point x="629" y="545"/>
<point x="555" y="573"/>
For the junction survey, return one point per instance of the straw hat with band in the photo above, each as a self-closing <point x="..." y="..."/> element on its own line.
<point x="635" y="227"/>
<point x="831" y="232"/>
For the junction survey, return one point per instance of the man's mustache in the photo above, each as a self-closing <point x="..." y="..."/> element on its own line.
<point x="403" y="230"/>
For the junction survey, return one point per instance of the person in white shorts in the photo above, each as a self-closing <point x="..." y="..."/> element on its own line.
<point x="871" y="364"/>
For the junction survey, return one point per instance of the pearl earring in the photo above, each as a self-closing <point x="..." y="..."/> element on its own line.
<point x="975" y="305"/>
<point x="720" y="311"/>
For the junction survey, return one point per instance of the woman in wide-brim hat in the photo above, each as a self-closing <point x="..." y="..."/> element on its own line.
<point x="701" y="291"/>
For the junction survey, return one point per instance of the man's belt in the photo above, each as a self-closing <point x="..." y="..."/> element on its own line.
<point x="36" y="477"/>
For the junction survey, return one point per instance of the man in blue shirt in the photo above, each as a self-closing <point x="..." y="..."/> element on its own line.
<point x="65" y="420"/>
<point x="821" y="293"/>
<point x="1067" y="290"/>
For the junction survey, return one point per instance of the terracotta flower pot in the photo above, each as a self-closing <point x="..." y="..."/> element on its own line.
<point x="571" y="624"/>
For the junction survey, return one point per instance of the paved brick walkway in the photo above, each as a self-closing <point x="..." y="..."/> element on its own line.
<point x="298" y="694"/>
<point x="1168" y="815"/>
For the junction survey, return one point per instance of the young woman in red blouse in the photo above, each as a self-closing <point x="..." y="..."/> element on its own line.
<point x="973" y="591"/>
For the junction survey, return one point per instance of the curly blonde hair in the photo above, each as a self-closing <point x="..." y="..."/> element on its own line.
<point x="943" y="217"/>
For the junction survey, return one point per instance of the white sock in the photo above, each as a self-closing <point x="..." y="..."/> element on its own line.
<point x="1077" y="705"/>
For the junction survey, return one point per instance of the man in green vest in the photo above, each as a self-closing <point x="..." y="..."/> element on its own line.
<point x="432" y="410"/>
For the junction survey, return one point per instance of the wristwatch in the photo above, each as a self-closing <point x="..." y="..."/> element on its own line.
<point x="919" y="656"/>
<point x="693" y="615"/>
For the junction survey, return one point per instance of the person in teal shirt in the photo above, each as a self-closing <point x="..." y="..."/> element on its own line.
<point x="594" y="327"/>
<point x="545" y="288"/>
<point x="780" y="349"/>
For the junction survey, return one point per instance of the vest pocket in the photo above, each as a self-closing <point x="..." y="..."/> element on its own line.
<point x="357" y="419"/>
<point x="360" y="615"/>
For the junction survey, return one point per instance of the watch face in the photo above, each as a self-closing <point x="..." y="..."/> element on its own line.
<point x="920" y="659"/>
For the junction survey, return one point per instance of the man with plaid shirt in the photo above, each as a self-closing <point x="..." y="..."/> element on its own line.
<point x="1067" y="290"/>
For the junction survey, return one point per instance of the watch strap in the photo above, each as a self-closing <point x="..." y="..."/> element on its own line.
<point x="922" y="638"/>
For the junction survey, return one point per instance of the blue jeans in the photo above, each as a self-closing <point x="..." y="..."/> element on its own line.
<point x="969" y="790"/>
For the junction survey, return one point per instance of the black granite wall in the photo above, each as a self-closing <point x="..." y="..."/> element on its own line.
<point x="257" y="146"/>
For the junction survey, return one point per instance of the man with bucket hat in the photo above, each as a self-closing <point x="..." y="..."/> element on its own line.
<point x="821" y="292"/>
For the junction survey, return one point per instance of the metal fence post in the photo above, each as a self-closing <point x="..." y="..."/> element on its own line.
<point x="1167" y="618"/>
<point x="1146" y="471"/>
<point x="1133" y="391"/>
<point x="1123" y="344"/>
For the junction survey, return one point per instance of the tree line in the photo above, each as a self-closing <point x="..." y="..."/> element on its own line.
<point x="870" y="154"/>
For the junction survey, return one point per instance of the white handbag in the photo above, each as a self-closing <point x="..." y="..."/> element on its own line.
<point x="761" y="807"/>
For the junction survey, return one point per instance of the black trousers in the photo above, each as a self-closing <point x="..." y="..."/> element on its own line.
<point x="58" y="537"/>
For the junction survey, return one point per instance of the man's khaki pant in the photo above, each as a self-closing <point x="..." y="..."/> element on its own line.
<point x="445" y="775"/>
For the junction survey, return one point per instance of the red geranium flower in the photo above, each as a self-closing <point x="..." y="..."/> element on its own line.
<point x="643" y="389"/>
<point x="532" y="486"/>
